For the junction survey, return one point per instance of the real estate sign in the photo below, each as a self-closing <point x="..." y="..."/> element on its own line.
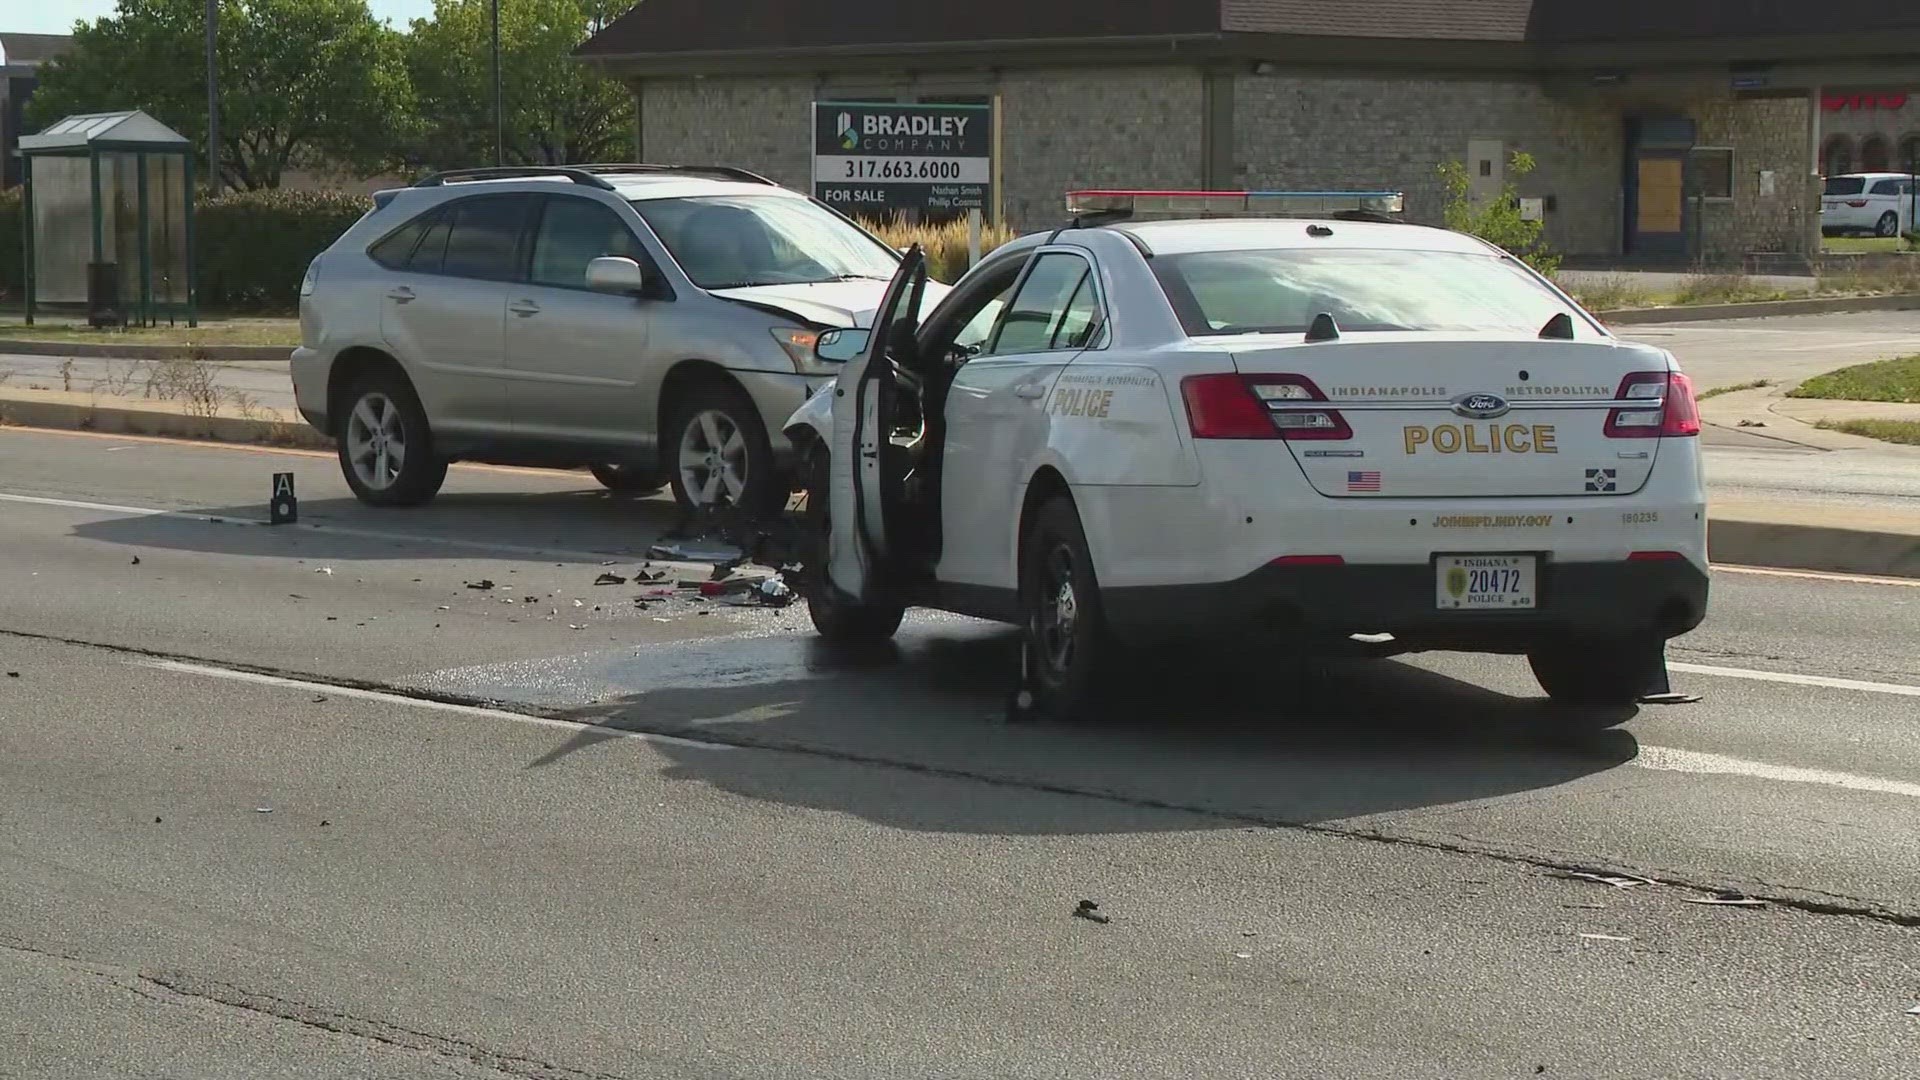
<point x="876" y="158"/>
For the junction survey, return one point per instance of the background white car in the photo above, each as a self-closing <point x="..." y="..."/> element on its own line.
<point x="1129" y="434"/>
<point x="1877" y="203"/>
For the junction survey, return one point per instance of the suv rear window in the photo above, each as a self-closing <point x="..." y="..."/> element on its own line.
<point x="1281" y="290"/>
<point x="1846" y="185"/>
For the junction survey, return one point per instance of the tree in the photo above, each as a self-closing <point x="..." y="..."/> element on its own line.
<point x="1497" y="220"/>
<point x="301" y="81"/>
<point x="557" y="109"/>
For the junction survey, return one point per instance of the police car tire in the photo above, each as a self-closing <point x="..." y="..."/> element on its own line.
<point x="423" y="471"/>
<point x="1594" y="676"/>
<point x="1072" y="694"/>
<point x="835" y="618"/>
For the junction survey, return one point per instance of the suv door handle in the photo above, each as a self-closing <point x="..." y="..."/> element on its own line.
<point x="1030" y="391"/>
<point x="400" y="294"/>
<point x="524" y="308"/>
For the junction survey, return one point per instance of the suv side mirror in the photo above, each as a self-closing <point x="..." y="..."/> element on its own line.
<point x="840" y="346"/>
<point x="624" y="277"/>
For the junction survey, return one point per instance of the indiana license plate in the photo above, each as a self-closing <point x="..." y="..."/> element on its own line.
<point x="1485" y="582"/>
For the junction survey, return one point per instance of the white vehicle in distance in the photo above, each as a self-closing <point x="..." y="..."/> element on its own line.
<point x="1878" y="203"/>
<point x="1126" y="432"/>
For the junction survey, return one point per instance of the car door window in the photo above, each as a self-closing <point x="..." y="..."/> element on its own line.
<point x="485" y="238"/>
<point x="573" y="233"/>
<point x="399" y="245"/>
<point x="1080" y="322"/>
<point x="432" y="249"/>
<point x="1033" y="318"/>
<point x="1886" y="187"/>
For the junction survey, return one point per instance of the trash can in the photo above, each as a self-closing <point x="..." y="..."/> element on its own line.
<point x="103" y="294"/>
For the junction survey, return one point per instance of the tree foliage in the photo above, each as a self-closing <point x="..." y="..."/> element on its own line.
<point x="556" y="109"/>
<point x="301" y="81"/>
<point x="1496" y="220"/>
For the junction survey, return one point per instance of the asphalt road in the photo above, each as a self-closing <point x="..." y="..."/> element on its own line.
<point x="243" y="834"/>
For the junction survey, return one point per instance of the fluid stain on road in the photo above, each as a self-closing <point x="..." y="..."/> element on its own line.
<point x="753" y="648"/>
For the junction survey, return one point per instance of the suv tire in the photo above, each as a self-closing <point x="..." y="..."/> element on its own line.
<point x="1070" y="650"/>
<point x="385" y="444"/>
<point x="628" y="479"/>
<point x="740" y="468"/>
<point x="838" y="619"/>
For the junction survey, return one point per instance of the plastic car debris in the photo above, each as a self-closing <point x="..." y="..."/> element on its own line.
<point x="775" y="592"/>
<point x="1090" y="911"/>
<point x="609" y="579"/>
<point x="483" y="584"/>
<point x="1727" y="898"/>
<point x="1618" y="881"/>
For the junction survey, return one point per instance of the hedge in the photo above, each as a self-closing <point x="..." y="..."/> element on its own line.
<point x="253" y="246"/>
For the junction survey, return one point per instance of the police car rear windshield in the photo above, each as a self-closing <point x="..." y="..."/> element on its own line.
<point x="1280" y="291"/>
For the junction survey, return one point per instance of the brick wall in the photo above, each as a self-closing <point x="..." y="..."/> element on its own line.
<point x="762" y="124"/>
<point x="1344" y="133"/>
<point x="1765" y="135"/>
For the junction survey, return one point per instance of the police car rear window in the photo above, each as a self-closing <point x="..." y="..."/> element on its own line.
<point x="1281" y="290"/>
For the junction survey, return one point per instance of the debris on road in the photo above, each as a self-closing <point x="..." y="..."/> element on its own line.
<point x="609" y="579"/>
<point x="328" y="570"/>
<point x="1915" y="1011"/>
<point x="1670" y="699"/>
<point x="575" y="626"/>
<point x="1090" y="911"/>
<point x="156" y="819"/>
<point x="529" y="599"/>
<point x="695" y="552"/>
<point x="318" y="698"/>
<point x="1727" y="898"/>
<point x="443" y="607"/>
<point x="483" y="584"/>
<point x="324" y="823"/>
<point x="725" y="588"/>
<point x="263" y="809"/>
<point x="775" y="592"/>
<point x="1606" y="877"/>
<point x="1243" y="956"/>
<point x="579" y="603"/>
<point x="1605" y="937"/>
<point x="135" y="562"/>
<point x="13" y="674"/>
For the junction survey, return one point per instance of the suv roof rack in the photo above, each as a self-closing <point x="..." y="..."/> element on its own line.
<point x="511" y="172"/>
<point x="591" y="175"/>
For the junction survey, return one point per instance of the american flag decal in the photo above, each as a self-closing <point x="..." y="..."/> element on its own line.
<point x="1363" y="481"/>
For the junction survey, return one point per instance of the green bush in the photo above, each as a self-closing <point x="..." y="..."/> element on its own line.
<point x="1498" y="220"/>
<point x="254" y="246"/>
<point x="12" y="270"/>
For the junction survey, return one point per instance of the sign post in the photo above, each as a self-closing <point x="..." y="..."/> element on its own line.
<point x="882" y="159"/>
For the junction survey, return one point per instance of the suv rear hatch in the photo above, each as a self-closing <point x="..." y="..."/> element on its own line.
<point x="1402" y="415"/>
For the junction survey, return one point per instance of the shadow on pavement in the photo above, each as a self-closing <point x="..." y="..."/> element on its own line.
<point x="562" y="526"/>
<point x="1214" y="735"/>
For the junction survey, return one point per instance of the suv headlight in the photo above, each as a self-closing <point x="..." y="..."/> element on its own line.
<point x="799" y="344"/>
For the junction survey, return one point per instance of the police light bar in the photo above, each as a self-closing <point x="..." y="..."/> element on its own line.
<point x="1206" y="204"/>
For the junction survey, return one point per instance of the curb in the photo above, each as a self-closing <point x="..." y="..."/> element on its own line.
<point x="1827" y="305"/>
<point x="1736" y="541"/>
<point x="68" y="416"/>
<point x="98" y="350"/>
<point x="1795" y="546"/>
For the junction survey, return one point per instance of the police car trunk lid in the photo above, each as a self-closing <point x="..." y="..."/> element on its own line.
<point x="1407" y="416"/>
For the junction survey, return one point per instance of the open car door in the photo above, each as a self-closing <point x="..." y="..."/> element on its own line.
<point x="865" y="400"/>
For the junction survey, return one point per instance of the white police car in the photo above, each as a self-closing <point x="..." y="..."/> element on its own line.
<point x="1128" y="431"/>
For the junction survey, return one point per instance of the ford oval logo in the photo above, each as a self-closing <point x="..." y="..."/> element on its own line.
<point x="1481" y="406"/>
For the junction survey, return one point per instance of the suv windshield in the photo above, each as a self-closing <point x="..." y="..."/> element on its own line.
<point x="732" y="241"/>
<point x="1280" y="291"/>
<point x="1846" y="185"/>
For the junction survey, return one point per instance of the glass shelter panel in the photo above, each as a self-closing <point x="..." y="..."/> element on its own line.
<point x="63" y="228"/>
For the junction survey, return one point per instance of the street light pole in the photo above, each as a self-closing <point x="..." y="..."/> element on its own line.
<point x="213" y="99"/>
<point x="499" y="129"/>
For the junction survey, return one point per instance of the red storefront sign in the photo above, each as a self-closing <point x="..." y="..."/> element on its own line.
<point x="1862" y="102"/>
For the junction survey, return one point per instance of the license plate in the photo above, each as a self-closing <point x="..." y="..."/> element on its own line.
<point x="1485" y="582"/>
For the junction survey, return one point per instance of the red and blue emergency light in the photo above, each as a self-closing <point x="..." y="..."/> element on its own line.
<point x="1205" y="204"/>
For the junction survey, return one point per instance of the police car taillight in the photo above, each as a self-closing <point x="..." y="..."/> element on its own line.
<point x="1671" y="410"/>
<point x="1205" y="204"/>
<point x="1260" y="407"/>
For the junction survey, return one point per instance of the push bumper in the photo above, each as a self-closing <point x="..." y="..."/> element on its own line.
<point x="1664" y="598"/>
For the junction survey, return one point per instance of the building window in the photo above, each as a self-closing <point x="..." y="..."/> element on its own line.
<point x="1874" y="154"/>
<point x="1836" y="158"/>
<point x="1713" y="171"/>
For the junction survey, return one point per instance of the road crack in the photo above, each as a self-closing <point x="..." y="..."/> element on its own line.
<point x="1812" y="901"/>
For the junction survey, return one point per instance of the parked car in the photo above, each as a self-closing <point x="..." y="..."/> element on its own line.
<point x="1879" y="203"/>
<point x="652" y="323"/>
<point x="1130" y="432"/>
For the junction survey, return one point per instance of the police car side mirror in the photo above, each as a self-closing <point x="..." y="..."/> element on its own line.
<point x="840" y="346"/>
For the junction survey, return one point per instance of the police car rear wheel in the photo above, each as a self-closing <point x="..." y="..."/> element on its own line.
<point x="1067" y="641"/>
<point x="1594" y="676"/>
<point x="835" y="616"/>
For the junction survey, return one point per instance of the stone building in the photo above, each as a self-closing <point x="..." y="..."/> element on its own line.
<point x="1659" y="127"/>
<point x="1870" y="131"/>
<point x="21" y="56"/>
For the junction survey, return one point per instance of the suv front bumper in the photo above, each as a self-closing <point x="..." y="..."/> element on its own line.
<point x="1664" y="598"/>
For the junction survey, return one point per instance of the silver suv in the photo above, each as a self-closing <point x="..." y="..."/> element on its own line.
<point x="652" y="323"/>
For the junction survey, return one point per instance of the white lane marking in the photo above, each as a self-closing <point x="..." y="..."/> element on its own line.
<point x="1667" y="759"/>
<point x="1797" y="680"/>
<point x="1817" y="575"/>
<point x="331" y="530"/>
<point x="330" y="690"/>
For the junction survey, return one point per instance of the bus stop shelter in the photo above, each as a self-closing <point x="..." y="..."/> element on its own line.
<point x="109" y="219"/>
